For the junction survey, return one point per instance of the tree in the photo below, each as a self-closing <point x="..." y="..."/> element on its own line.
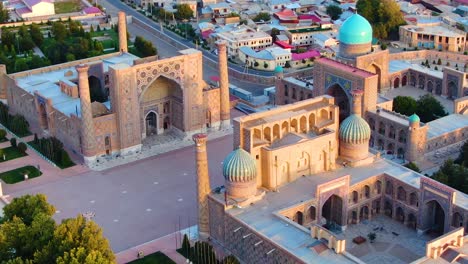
<point x="60" y="31"/>
<point x="22" y="147"/>
<point x="3" y="133"/>
<point x="413" y="166"/>
<point x="404" y="105"/>
<point x="27" y="207"/>
<point x="429" y="108"/>
<point x="30" y="235"/>
<point x="186" y="246"/>
<point x="13" y="142"/>
<point x="463" y="157"/>
<point x="334" y="11"/>
<point x="453" y="175"/>
<point x="274" y="32"/>
<point x="144" y="47"/>
<point x="184" y="12"/>
<point x="384" y="16"/>
<point x="372" y="236"/>
<point x="262" y="17"/>
<point x="4" y="14"/>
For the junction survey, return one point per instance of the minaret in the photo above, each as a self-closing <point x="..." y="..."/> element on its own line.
<point x="357" y="101"/>
<point x="225" y="107"/>
<point x="412" y="153"/>
<point x="203" y="185"/>
<point x="123" y="32"/>
<point x="87" y="126"/>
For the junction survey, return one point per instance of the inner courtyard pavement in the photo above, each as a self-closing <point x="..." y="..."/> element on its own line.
<point x="405" y="246"/>
<point x="416" y="93"/>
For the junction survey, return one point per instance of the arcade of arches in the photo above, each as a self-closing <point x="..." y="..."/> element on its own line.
<point x="398" y="201"/>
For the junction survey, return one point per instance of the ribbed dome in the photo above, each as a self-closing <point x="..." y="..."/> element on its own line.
<point x="414" y="118"/>
<point x="355" y="30"/>
<point x="239" y="166"/>
<point x="354" y="129"/>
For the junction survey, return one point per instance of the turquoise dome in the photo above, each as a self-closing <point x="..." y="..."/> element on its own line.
<point x="355" y="30"/>
<point x="239" y="166"/>
<point x="354" y="129"/>
<point x="414" y="118"/>
<point x="278" y="69"/>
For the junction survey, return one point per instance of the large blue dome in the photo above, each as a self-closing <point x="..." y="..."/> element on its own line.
<point x="239" y="166"/>
<point x="354" y="129"/>
<point x="355" y="30"/>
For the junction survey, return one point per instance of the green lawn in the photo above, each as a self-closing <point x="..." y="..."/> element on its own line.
<point x="155" y="258"/>
<point x="17" y="175"/>
<point x="10" y="153"/>
<point x="67" y="6"/>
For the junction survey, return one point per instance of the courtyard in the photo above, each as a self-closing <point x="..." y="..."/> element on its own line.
<point x="416" y="93"/>
<point x="395" y="243"/>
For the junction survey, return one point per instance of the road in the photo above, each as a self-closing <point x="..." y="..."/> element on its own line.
<point x="167" y="50"/>
<point x="140" y="201"/>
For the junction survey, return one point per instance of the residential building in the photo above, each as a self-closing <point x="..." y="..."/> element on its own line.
<point x="244" y="36"/>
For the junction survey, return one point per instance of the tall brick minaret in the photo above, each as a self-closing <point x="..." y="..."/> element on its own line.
<point x="203" y="184"/>
<point x="225" y="107"/>
<point x="123" y="32"/>
<point x="87" y="127"/>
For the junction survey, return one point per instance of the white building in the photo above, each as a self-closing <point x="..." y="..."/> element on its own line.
<point x="266" y="59"/>
<point x="244" y="36"/>
<point x="36" y="8"/>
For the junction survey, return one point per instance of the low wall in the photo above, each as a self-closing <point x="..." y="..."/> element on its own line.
<point x="335" y="242"/>
<point x="436" y="247"/>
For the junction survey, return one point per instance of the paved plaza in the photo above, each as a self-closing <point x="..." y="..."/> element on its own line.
<point x="136" y="202"/>
<point x="405" y="246"/>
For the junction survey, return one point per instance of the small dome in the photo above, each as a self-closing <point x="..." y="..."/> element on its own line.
<point x="414" y="118"/>
<point x="239" y="166"/>
<point x="354" y="129"/>
<point x="355" y="30"/>
<point x="278" y="69"/>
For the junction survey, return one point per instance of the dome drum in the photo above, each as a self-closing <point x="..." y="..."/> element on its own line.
<point x="354" y="50"/>
<point x="241" y="189"/>
<point x="353" y="151"/>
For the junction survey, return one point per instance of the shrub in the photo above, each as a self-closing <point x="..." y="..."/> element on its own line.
<point x="372" y="236"/>
<point x="2" y="133"/>
<point x="22" y="147"/>
<point x="13" y="142"/>
<point x="256" y="64"/>
<point x="36" y="140"/>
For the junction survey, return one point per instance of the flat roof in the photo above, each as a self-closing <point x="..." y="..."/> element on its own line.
<point x="446" y="124"/>
<point x="46" y="83"/>
<point x="393" y="116"/>
<point x="433" y="30"/>
<point x="399" y="65"/>
<point x="301" y="83"/>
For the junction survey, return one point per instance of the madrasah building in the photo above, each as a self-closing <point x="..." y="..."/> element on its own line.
<point x="302" y="184"/>
<point x="108" y="105"/>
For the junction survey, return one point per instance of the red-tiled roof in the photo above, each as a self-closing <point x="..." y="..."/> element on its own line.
<point x="305" y="55"/>
<point x="314" y="18"/>
<point x="345" y="67"/>
<point x="283" y="44"/>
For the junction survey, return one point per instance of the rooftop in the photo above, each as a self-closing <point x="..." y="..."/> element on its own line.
<point x="399" y="65"/>
<point x="433" y="30"/>
<point x="446" y="124"/>
<point x="46" y="83"/>
<point x="344" y="67"/>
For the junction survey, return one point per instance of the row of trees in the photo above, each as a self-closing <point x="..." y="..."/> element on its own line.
<point x="144" y="48"/>
<point x="427" y="107"/>
<point x="203" y="253"/>
<point x="384" y="16"/>
<point x="16" y="123"/>
<point x="52" y="148"/>
<point x="29" y="234"/>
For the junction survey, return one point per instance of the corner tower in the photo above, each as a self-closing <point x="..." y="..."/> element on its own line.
<point x="122" y="32"/>
<point x="223" y="84"/>
<point x="88" y="143"/>
<point x="203" y="184"/>
<point x="416" y="139"/>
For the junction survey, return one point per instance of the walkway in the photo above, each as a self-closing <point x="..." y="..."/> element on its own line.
<point x="50" y="173"/>
<point x="166" y="244"/>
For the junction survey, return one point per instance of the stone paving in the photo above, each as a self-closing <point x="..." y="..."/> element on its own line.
<point x="155" y="145"/>
<point x="405" y="247"/>
<point x="416" y="93"/>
